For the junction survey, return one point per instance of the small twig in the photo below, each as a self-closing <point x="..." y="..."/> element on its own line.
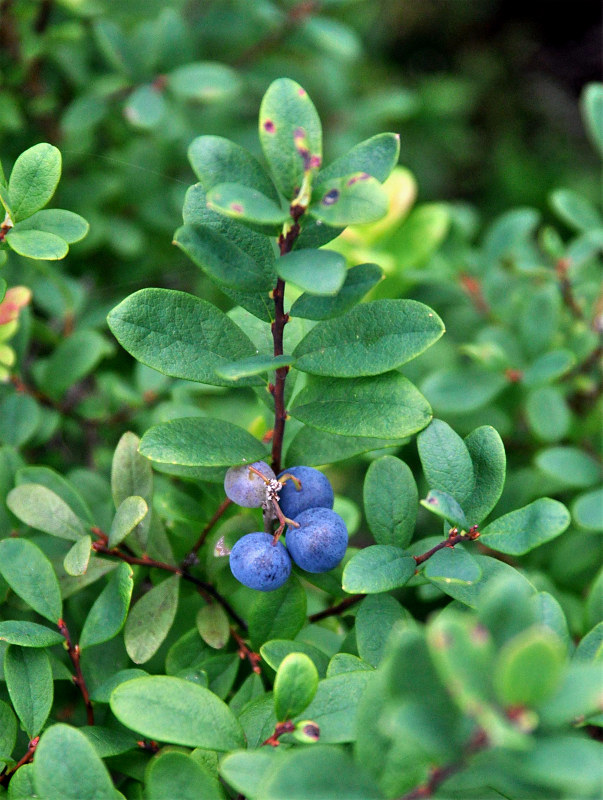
<point x="295" y="16"/>
<point x="191" y="558"/>
<point x="335" y="611"/>
<point x="150" y="746"/>
<point x="561" y="268"/>
<point x="454" y="537"/>
<point x="441" y="774"/>
<point x="6" y="776"/>
<point x="146" y="561"/>
<point x="474" y="290"/>
<point x="246" y="652"/>
<point x="279" y="729"/>
<point x="78" y="678"/>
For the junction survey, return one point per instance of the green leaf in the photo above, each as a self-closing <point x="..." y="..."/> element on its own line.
<point x="222" y="259"/>
<point x="102" y="693"/>
<point x="8" y="731"/>
<point x="378" y="568"/>
<point x="590" y="647"/>
<point x="578" y="695"/>
<point x="213" y="625"/>
<point x="82" y="774"/>
<point x="216" y="160"/>
<point x="294" y="686"/>
<point x="389" y="407"/>
<point x="377" y="615"/>
<point x="73" y="359"/>
<point x="548" y="414"/>
<point x="452" y="565"/>
<point x="281" y="613"/>
<point x="254" y="365"/>
<point x="526" y="528"/>
<point x="150" y="620"/>
<point x="200" y="442"/>
<point x="28" y="677"/>
<point x="20" y="417"/>
<point x="319" y="772"/>
<point x="570" y="766"/>
<point x="108" y="613"/>
<point x="37" y="244"/>
<point x="76" y="560"/>
<point x="548" y="367"/>
<point x="178" y="775"/>
<point x="241" y="202"/>
<point x="130" y="513"/>
<point x="446" y="460"/>
<point x="319" y="272"/>
<point x="28" y="634"/>
<point x="445" y="506"/>
<point x="570" y="465"/>
<point x="41" y="508"/>
<point x="592" y="111"/>
<point x="30" y="575"/>
<point x="59" y="485"/>
<point x="109" y="742"/>
<point x="65" y="224"/>
<point x="377" y="156"/>
<point x="204" y="81"/>
<point x="131" y="473"/>
<point x="370" y="339"/>
<point x="528" y="668"/>
<point x="33" y="179"/>
<point x="587" y="510"/>
<point x="175" y="710"/>
<point x="315" y="448"/>
<point x="355" y="199"/>
<point x="345" y="662"/>
<point x="335" y="706"/>
<point x="145" y="107"/>
<point x="358" y="281"/>
<point x="290" y="134"/>
<point x="576" y="211"/>
<point x="274" y="651"/>
<point x="420" y="235"/>
<point x="390" y="501"/>
<point x="461" y="390"/>
<point x="487" y="453"/>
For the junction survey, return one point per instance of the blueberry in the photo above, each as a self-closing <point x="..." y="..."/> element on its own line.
<point x="244" y="487"/>
<point x="259" y="564"/>
<point x="320" y="542"/>
<point x="316" y="491"/>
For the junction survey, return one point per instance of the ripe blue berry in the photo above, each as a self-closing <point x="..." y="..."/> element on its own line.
<point x="259" y="564"/>
<point x="244" y="487"/>
<point x="320" y="542"/>
<point x="315" y="492"/>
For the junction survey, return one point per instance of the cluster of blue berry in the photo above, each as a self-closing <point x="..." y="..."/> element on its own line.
<point x="301" y="499"/>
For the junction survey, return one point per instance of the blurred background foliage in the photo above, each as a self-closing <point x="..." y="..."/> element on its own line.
<point x="486" y="97"/>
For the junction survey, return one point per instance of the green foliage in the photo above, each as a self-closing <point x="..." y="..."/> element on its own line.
<point x="299" y="319"/>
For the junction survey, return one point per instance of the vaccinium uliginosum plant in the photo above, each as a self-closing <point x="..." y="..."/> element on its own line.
<point x="488" y="693"/>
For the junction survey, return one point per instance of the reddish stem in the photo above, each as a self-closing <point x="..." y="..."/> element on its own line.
<point x="246" y="652"/>
<point x="78" y="678"/>
<point x="145" y="561"/>
<point x="335" y="611"/>
<point x="191" y="558"/>
<point x="454" y="537"/>
<point x="279" y="729"/>
<point x="5" y="777"/>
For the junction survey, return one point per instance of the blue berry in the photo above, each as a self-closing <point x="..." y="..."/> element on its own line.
<point x="320" y="542"/>
<point x="315" y="492"/>
<point x="244" y="487"/>
<point x="259" y="564"/>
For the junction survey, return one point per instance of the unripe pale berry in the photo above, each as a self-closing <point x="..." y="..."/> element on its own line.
<point x="258" y="563"/>
<point x="244" y="487"/>
<point x="320" y="542"/>
<point x="316" y="491"/>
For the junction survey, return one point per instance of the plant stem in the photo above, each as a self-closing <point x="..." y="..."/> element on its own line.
<point x="279" y="729"/>
<point x="78" y="679"/>
<point x="561" y="268"/>
<point x="191" y="557"/>
<point x="145" y="561"/>
<point x="454" y="537"/>
<point x="246" y="652"/>
<point x="6" y="776"/>
<point x="285" y="243"/>
<point x="441" y="774"/>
